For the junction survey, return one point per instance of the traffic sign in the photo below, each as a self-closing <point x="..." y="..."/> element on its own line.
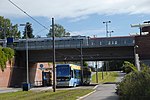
<point x="41" y="65"/>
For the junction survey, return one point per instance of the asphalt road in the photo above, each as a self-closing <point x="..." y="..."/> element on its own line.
<point x="105" y="91"/>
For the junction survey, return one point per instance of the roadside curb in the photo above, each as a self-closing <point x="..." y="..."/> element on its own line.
<point x="95" y="86"/>
<point x="86" y="95"/>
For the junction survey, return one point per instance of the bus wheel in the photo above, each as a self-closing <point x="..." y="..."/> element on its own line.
<point x="74" y="85"/>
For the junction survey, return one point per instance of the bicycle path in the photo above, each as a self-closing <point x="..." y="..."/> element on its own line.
<point x="105" y="91"/>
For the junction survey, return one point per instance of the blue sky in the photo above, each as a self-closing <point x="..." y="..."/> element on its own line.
<point x="79" y="17"/>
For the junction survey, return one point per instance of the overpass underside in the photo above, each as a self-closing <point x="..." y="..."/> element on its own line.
<point x="74" y="54"/>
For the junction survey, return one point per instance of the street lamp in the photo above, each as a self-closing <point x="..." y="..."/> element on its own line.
<point x="136" y="58"/>
<point x="106" y="22"/>
<point x="110" y="33"/>
<point x="27" y="64"/>
<point x="107" y="32"/>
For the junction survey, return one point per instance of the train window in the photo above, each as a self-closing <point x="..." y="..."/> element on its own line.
<point x="100" y="43"/>
<point x="116" y="42"/>
<point x="112" y="42"/>
<point x="125" y="42"/>
<point x="109" y="42"/>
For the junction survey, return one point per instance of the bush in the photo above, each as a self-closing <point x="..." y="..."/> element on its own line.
<point x="5" y="55"/>
<point x="129" y="67"/>
<point x="135" y="85"/>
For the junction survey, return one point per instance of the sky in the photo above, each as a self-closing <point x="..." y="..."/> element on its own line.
<point x="79" y="17"/>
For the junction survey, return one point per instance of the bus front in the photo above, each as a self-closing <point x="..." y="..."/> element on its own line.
<point x="63" y="74"/>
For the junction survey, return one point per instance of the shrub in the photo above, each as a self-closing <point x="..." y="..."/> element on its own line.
<point x="5" y="55"/>
<point x="129" y="67"/>
<point x="135" y="85"/>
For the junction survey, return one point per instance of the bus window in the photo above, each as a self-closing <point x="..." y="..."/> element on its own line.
<point x="77" y="74"/>
<point x="72" y="74"/>
<point x="63" y="71"/>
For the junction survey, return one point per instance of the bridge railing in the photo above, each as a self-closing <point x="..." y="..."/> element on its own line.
<point x="75" y="43"/>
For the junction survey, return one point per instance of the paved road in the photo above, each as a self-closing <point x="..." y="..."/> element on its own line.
<point x="105" y="91"/>
<point x="4" y="90"/>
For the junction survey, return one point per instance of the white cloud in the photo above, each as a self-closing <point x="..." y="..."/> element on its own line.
<point x="73" y="8"/>
<point x="91" y="32"/>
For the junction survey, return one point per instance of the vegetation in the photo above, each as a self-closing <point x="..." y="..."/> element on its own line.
<point x="113" y="65"/>
<point x="108" y="77"/>
<point x="128" y="67"/>
<point x="46" y="95"/>
<point x="136" y="84"/>
<point x="7" y="28"/>
<point x="5" y="55"/>
<point x="59" y="31"/>
<point x="28" y="29"/>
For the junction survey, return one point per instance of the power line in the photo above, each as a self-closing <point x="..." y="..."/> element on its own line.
<point x="28" y="14"/>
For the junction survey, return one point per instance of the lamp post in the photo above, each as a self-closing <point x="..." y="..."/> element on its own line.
<point x="110" y="33"/>
<point x="136" y="58"/>
<point x="106" y="22"/>
<point x="27" y="64"/>
<point x="107" y="32"/>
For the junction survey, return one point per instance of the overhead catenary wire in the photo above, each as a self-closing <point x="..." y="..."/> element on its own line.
<point x="28" y="14"/>
<point x="35" y="21"/>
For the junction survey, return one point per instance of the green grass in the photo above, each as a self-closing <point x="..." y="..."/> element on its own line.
<point x="46" y="95"/>
<point x="109" y="77"/>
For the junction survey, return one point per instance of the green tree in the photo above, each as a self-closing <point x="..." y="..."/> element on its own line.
<point x="28" y="29"/>
<point x="7" y="29"/>
<point x="59" y="31"/>
<point x="85" y="64"/>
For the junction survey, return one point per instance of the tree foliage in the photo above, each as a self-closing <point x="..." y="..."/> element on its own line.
<point x="59" y="31"/>
<point x="7" y="29"/>
<point x="5" y="55"/>
<point x="128" y="67"/>
<point x="28" y="29"/>
<point x="85" y="64"/>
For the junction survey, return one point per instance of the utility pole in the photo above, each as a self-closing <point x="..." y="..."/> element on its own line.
<point x="54" y="70"/>
<point x="96" y="73"/>
<point x="27" y="55"/>
<point x="102" y="72"/>
<point x="81" y="62"/>
<point x="4" y="33"/>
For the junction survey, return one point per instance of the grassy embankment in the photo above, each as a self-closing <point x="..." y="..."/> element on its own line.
<point x="45" y="95"/>
<point x="109" y="77"/>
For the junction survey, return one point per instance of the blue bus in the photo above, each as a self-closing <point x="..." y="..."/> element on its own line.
<point x="68" y="75"/>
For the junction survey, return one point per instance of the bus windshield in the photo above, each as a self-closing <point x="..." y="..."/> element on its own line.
<point x="63" y="71"/>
